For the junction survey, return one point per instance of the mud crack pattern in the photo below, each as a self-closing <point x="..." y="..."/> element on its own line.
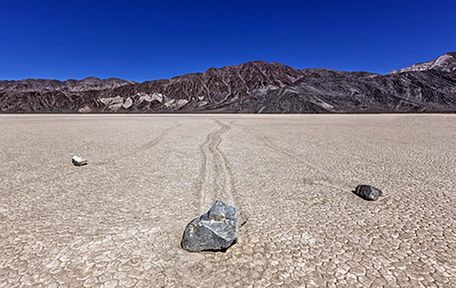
<point x="118" y="222"/>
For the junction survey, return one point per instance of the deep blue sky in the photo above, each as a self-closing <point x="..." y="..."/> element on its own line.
<point x="141" y="40"/>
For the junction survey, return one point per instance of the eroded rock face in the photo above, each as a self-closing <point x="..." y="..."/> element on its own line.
<point x="78" y="161"/>
<point x="368" y="192"/>
<point x="215" y="230"/>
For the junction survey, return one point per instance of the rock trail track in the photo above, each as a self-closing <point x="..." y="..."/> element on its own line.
<point x="325" y="178"/>
<point x="115" y="159"/>
<point x="142" y="149"/>
<point x="118" y="221"/>
<point x="216" y="180"/>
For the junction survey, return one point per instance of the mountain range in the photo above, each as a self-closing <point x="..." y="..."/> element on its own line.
<point x="252" y="87"/>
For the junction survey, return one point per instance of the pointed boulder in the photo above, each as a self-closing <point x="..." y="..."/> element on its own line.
<point x="215" y="230"/>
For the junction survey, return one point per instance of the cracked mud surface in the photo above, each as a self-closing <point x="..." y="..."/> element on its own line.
<point x="118" y="222"/>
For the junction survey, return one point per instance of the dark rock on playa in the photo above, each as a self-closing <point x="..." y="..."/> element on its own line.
<point x="215" y="230"/>
<point x="368" y="192"/>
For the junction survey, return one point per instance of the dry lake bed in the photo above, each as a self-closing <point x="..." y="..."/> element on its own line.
<point x="119" y="220"/>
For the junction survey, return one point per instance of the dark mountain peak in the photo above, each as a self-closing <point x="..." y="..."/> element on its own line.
<point x="259" y="63"/>
<point x="263" y="66"/>
<point x="221" y="86"/>
<point x="452" y="54"/>
<point x="251" y="65"/>
<point x="267" y="71"/>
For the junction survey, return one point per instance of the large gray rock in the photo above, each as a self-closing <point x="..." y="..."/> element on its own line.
<point x="368" y="192"/>
<point x="215" y="230"/>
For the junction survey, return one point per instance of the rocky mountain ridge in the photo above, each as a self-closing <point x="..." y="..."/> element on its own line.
<point x="252" y="87"/>
<point x="445" y="62"/>
<point x="71" y="85"/>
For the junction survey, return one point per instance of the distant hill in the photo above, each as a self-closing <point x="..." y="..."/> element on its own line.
<point x="252" y="87"/>
<point x="446" y="62"/>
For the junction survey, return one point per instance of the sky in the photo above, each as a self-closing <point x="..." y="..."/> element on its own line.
<point x="146" y="40"/>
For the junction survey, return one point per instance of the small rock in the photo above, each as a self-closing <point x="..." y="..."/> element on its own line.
<point x="368" y="192"/>
<point x="215" y="230"/>
<point x="79" y="161"/>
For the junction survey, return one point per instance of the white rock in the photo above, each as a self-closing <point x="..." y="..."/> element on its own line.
<point x="182" y="102"/>
<point x="79" y="161"/>
<point x="149" y="98"/>
<point x="128" y="103"/>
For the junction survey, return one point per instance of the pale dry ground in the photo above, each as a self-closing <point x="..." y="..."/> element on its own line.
<point x="119" y="220"/>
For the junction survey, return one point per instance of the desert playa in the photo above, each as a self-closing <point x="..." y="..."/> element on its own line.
<point x="119" y="220"/>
